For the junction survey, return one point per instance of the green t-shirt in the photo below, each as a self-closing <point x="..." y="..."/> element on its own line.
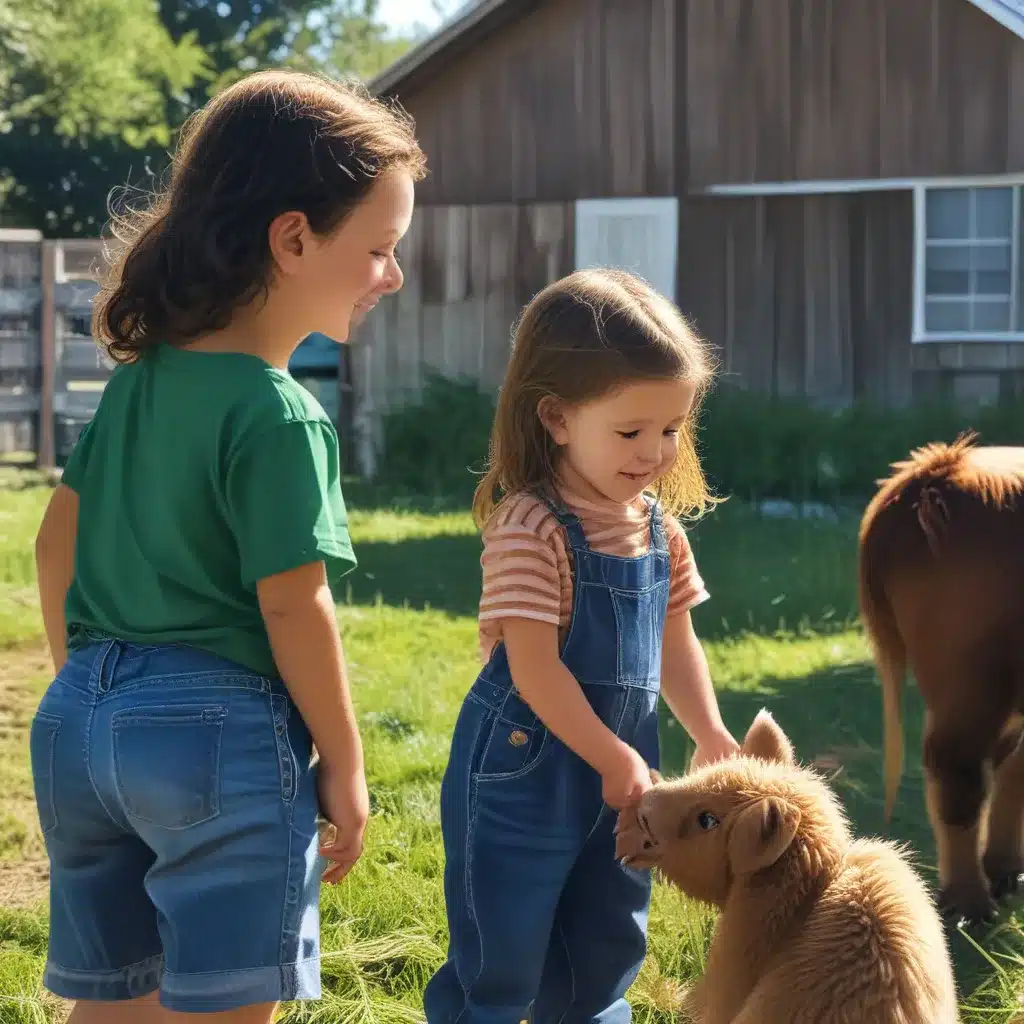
<point x="200" y="474"/>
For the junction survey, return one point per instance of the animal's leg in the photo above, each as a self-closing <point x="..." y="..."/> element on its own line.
<point x="1004" y="854"/>
<point x="955" y="789"/>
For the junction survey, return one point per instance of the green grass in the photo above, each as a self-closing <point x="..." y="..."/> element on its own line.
<point x="779" y="632"/>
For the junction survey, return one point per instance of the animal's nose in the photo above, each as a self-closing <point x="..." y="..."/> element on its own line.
<point x="645" y="827"/>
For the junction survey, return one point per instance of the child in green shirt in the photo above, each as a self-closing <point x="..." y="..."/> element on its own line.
<point x="185" y="560"/>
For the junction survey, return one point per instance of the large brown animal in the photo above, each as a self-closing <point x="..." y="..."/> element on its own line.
<point x="816" y="927"/>
<point x="942" y="593"/>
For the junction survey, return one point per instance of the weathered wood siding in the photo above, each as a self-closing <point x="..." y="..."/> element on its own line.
<point x="813" y="296"/>
<point x="469" y="270"/>
<point x="575" y="99"/>
<point x="804" y="296"/>
<point x="782" y="90"/>
<point x="581" y="98"/>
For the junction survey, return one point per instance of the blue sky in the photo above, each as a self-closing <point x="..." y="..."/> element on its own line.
<point x="405" y="13"/>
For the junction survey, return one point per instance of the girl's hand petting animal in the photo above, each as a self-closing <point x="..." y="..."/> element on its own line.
<point x="345" y="803"/>
<point x="625" y="779"/>
<point x="716" y="746"/>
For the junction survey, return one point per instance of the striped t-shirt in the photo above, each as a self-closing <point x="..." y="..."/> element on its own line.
<point x="527" y="568"/>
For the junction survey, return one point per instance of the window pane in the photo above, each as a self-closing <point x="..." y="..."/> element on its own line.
<point x="1019" y="282"/>
<point x="947" y="316"/>
<point x="993" y="212"/>
<point x="947" y="270"/>
<point x="946" y="212"/>
<point x="991" y="316"/>
<point x="992" y="269"/>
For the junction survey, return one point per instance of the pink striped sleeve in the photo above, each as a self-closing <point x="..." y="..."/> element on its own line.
<point x="686" y="589"/>
<point x="520" y="565"/>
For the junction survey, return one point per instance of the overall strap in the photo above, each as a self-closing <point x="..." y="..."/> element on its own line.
<point x="569" y="520"/>
<point x="659" y="540"/>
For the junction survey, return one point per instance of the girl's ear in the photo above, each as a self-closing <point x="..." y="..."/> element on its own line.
<point x="551" y="414"/>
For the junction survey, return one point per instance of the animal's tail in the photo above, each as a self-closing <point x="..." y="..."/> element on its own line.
<point x="926" y="467"/>
<point x="891" y="662"/>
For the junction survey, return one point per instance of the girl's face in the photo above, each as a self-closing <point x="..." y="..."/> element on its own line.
<point x="331" y="282"/>
<point x="617" y="445"/>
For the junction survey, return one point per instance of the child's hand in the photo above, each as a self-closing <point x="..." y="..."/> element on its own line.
<point x="716" y="746"/>
<point x="345" y="803"/>
<point x="626" y="779"/>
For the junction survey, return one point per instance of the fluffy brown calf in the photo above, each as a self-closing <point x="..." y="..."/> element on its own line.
<point x="815" y="927"/>
<point x="942" y="592"/>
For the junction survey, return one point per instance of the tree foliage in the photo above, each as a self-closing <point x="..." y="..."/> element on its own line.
<point x="93" y="68"/>
<point x="93" y="91"/>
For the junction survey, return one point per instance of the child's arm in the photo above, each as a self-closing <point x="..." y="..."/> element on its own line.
<point x="298" y="610"/>
<point x="556" y="698"/>
<point x="55" y="567"/>
<point x="686" y="687"/>
<point x="285" y="509"/>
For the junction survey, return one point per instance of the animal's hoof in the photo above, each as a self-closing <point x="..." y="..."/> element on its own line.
<point x="1005" y="884"/>
<point x="1004" y="875"/>
<point x="969" y="905"/>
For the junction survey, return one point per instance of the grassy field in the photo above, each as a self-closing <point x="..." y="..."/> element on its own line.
<point x="779" y="632"/>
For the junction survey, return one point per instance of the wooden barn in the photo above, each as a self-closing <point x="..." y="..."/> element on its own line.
<point x="831" y="189"/>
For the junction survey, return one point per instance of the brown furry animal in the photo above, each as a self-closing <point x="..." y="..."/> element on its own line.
<point x="942" y="592"/>
<point x="815" y="927"/>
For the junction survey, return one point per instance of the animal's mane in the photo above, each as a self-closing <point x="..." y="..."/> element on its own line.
<point x="954" y="464"/>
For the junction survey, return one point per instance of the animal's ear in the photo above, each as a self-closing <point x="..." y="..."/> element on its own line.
<point x="765" y="739"/>
<point x="656" y="776"/>
<point x="761" y="834"/>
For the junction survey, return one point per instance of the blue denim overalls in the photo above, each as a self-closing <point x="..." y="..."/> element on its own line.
<point x="544" y="923"/>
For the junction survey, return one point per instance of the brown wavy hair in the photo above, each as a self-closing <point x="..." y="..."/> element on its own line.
<point x="579" y="339"/>
<point x="274" y="142"/>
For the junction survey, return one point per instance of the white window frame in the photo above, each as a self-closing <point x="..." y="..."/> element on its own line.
<point x="666" y="207"/>
<point x="920" y="334"/>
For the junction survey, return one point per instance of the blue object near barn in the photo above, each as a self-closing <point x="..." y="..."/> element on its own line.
<point x="315" y="364"/>
<point x="323" y="367"/>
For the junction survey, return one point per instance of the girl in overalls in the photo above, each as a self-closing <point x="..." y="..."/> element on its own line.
<point x="588" y="582"/>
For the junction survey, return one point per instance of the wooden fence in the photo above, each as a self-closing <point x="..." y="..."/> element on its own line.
<point x="51" y="372"/>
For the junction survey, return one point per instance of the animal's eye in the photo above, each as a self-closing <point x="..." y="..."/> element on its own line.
<point x="707" y="820"/>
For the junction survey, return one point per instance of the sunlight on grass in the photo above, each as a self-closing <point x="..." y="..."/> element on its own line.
<point x="779" y="632"/>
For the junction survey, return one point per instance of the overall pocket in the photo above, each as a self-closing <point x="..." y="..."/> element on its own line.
<point x="42" y="748"/>
<point x="167" y="763"/>
<point x="516" y="742"/>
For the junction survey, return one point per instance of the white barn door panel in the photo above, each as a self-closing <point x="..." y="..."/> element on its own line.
<point x="639" y="235"/>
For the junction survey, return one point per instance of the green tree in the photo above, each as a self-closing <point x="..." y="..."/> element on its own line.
<point x="92" y="91"/>
<point x="93" y="68"/>
<point x="85" y="88"/>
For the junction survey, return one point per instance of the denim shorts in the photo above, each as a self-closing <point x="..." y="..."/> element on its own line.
<point x="178" y="804"/>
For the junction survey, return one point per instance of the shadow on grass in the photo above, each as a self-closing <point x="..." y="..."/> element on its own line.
<point x="440" y="572"/>
<point x="834" y="719"/>
<point x="762" y="574"/>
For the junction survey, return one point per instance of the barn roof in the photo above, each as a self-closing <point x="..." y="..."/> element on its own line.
<point x="476" y="19"/>
<point x="468" y="25"/>
<point x="1009" y="13"/>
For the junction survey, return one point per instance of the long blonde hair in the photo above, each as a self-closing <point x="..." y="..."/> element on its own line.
<point x="578" y="339"/>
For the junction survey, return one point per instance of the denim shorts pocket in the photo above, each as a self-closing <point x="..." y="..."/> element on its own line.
<point x="42" y="746"/>
<point x="167" y="763"/>
<point x="515" y="743"/>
